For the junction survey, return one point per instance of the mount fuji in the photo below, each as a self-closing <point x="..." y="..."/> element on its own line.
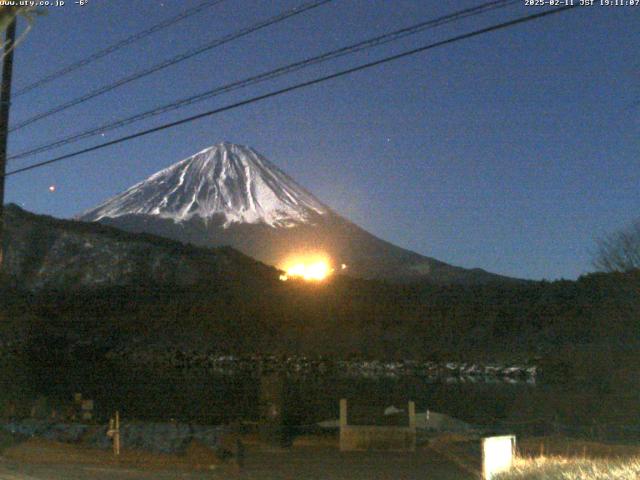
<point x="229" y="194"/>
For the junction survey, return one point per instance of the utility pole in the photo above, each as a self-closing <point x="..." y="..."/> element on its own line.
<point x="5" y="103"/>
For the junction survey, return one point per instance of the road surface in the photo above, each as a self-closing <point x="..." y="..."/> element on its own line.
<point x="304" y="463"/>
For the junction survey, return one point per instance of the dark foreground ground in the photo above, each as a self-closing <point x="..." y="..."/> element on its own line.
<point x="261" y="463"/>
<point x="446" y="457"/>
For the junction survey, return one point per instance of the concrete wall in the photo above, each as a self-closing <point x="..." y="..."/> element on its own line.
<point x="152" y="437"/>
<point x="377" y="438"/>
<point x="368" y="437"/>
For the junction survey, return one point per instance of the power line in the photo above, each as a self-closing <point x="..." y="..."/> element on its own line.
<point x="172" y="61"/>
<point x="117" y="46"/>
<point x="272" y="74"/>
<point x="132" y="39"/>
<point x="297" y="86"/>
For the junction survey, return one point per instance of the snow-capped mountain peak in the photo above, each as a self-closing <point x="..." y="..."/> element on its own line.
<point x="226" y="179"/>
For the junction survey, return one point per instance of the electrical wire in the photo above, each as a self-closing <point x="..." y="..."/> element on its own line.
<point x="172" y="61"/>
<point x="117" y="46"/>
<point x="297" y="86"/>
<point x="272" y="74"/>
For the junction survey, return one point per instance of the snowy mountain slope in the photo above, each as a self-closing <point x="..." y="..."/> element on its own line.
<point x="231" y="195"/>
<point x="229" y="180"/>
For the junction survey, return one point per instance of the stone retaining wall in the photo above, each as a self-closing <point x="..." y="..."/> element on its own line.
<point x="152" y="437"/>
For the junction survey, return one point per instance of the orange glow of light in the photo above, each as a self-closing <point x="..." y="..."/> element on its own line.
<point x="312" y="268"/>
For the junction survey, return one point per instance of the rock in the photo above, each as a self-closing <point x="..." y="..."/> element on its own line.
<point x="392" y="410"/>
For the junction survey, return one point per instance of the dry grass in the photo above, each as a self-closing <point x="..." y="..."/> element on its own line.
<point x="560" y="446"/>
<point x="562" y="468"/>
<point x="565" y="458"/>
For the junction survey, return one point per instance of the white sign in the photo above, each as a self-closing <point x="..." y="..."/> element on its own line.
<point x="497" y="455"/>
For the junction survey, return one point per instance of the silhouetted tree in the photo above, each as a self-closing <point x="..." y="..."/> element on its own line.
<point x="619" y="251"/>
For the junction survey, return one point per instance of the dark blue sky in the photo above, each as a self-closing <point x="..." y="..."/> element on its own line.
<point x="511" y="152"/>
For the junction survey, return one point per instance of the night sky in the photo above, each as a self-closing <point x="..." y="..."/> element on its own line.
<point x="512" y="151"/>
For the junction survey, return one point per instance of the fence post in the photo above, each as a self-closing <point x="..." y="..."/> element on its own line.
<point x="116" y="438"/>
<point x="343" y="412"/>
<point x="412" y="425"/>
<point x="114" y="433"/>
<point x="412" y="415"/>
<point x="343" y="423"/>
